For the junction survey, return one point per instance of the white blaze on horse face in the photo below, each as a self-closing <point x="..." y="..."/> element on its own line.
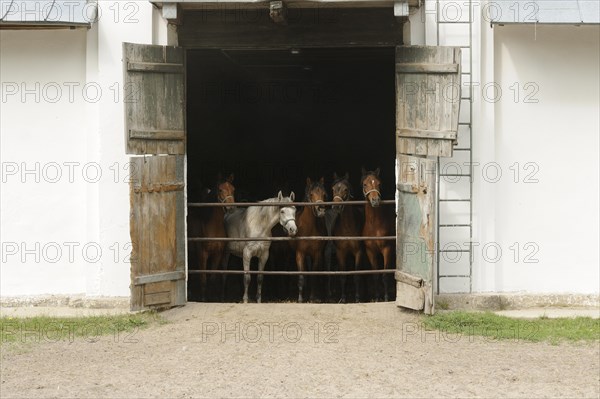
<point x="371" y="191"/>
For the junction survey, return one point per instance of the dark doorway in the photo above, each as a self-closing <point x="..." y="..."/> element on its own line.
<point x="275" y="117"/>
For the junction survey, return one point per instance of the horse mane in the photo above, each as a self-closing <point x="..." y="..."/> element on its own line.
<point x="257" y="214"/>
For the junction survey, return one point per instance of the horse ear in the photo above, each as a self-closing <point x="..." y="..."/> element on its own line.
<point x="279" y="195"/>
<point x="308" y="182"/>
<point x="322" y="181"/>
<point x="363" y="171"/>
<point x="292" y="196"/>
<point x="377" y="172"/>
<point x="230" y="178"/>
<point x="347" y="176"/>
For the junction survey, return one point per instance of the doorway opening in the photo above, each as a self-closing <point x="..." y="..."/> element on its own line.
<point x="274" y="118"/>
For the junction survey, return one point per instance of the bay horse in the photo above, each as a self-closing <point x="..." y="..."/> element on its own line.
<point x="348" y="223"/>
<point x="311" y="222"/>
<point x="209" y="222"/>
<point x="379" y="222"/>
<point x="257" y="221"/>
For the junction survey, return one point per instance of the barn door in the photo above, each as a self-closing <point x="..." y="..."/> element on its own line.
<point x="415" y="232"/>
<point x="427" y="99"/>
<point x="427" y="106"/>
<point x="155" y="128"/>
<point x="154" y="99"/>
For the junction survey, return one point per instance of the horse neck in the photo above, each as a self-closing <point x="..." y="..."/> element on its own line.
<point x="374" y="215"/>
<point x="263" y="217"/>
<point x="348" y="218"/>
<point x="306" y="218"/>
<point x="382" y="218"/>
<point x="217" y="214"/>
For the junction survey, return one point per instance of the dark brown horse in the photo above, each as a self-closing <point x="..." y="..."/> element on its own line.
<point x="348" y="223"/>
<point x="209" y="222"/>
<point x="310" y="222"/>
<point x="379" y="222"/>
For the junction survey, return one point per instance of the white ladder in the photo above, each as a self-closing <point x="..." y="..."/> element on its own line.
<point x="457" y="278"/>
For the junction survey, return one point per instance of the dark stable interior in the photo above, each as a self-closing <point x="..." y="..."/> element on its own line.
<point x="274" y="118"/>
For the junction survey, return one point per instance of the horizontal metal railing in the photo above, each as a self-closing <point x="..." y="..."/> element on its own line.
<point x="307" y="238"/>
<point x="300" y="203"/>
<point x="295" y="273"/>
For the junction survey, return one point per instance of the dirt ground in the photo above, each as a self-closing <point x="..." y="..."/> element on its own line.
<point x="291" y="350"/>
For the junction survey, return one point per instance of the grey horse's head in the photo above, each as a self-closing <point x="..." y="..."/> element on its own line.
<point x="287" y="214"/>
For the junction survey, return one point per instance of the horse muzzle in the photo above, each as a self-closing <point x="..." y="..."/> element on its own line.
<point x="290" y="227"/>
<point x="338" y="208"/>
<point x="374" y="202"/>
<point x="228" y="200"/>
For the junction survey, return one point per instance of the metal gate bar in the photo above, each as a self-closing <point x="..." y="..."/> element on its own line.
<point x="305" y="238"/>
<point x="243" y="204"/>
<point x="295" y="273"/>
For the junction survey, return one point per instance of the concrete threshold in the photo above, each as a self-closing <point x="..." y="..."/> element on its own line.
<point x="62" y="306"/>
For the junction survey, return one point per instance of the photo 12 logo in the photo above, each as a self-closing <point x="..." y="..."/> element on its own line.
<point x="73" y="12"/>
<point x="69" y="92"/>
<point x="49" y="11"/>
<point x="68" y="172"/>
<point x="412" y="331"/>
<point x="70" y="252"/>
<point x="14" y="330"/>
<point x="272" y="332"/>
<point x="490" y="11"/>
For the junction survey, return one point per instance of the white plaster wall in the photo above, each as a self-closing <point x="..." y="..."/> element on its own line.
<point x="88" y="131"/>
<point x="558" y="215"/>
<point x="41" y="130"/>
<point x="555" y="130"/>
<point x="559" y="134"/>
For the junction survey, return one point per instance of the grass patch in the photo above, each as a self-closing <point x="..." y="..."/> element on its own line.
<point x="118" y="328"/>
<point x="498" y="327"/>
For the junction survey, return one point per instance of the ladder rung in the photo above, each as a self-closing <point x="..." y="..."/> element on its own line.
<point x="462" y="149"/>
<point x="454" y="276"/>
<point x="455" y="175"/>
<point x="454" y="250"/>
<point x="454" y="200"/>
<point x="456" y="225"/>
<point x="453" y="22"/>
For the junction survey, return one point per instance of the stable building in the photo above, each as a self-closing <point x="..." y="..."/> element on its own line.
<point x="115" y="116"/>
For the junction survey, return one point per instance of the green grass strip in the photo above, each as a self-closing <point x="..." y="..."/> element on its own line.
<point x="488" y="324"/>
<point x="118" y="328"/>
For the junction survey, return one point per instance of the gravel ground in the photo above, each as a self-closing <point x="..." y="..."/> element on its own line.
<point x="290" y="350"/>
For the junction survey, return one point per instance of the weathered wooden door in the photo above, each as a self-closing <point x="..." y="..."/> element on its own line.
<point x="154" y="85"/>
<point x="427" y="105"/>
